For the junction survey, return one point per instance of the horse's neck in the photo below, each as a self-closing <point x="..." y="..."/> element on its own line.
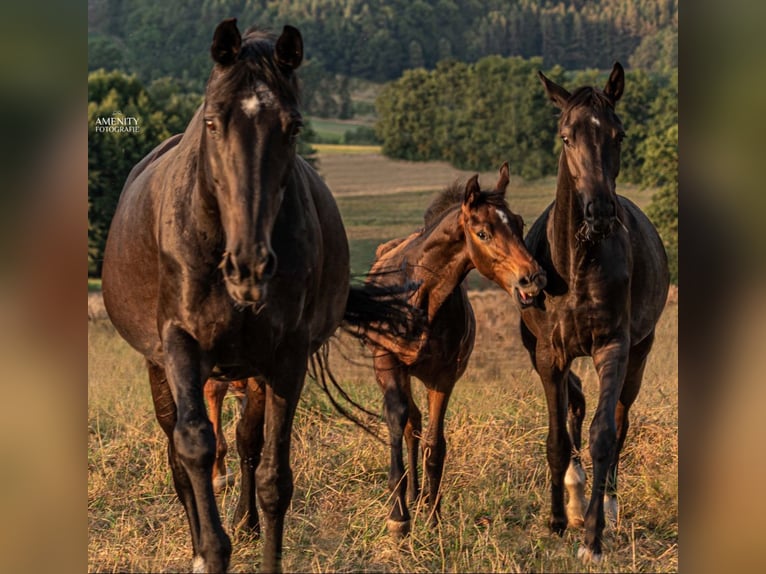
<point x="442" y="262"/>
<point x="567" y="218"/>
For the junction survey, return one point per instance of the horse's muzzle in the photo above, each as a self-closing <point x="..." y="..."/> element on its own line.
<point x="247" y="282"/>
<point x="600" y="218"/>
<point x="529" y="287"/>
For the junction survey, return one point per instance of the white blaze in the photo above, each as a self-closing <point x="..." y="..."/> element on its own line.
<point x="250" y="105"/>
<point x="503" y="217"/>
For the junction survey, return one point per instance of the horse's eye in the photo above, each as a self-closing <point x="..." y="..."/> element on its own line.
<point x="565" y="139"/>
<point x="210" y="124"/>
<point x="482" y="235"/>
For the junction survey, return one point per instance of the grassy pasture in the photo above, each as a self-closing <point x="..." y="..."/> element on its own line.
<point x="331" y="131"/>
<point x="495" y="483"/>
<point x="380" y="198"/>
<point x="496" y="498"/>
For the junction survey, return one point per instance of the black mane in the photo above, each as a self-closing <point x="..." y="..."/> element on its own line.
<point x="452" y="196"/>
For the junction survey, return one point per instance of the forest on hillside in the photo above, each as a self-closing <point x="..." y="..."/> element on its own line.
<point x="458" y="80"/>
<point x="378" y="39"/>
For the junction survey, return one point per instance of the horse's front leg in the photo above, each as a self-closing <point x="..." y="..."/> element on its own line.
<point x="435" y="446"/>
<point x="558" y="443"/>
<point x="194" y="446"/>
<point x="273" y="476"/>
<point x="610" y="361"/>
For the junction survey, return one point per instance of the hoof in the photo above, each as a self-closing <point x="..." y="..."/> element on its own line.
<point x="587" y="556"/>
<point x="398" y="529"/>
<point x="221" y="483"/>
<point x="558" y="526"/>
<point x="198" y="565"/>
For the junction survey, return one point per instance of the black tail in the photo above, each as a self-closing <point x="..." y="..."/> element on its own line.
<point x="370" y="308"/>
<point x="382" y="309"/>
<point x="321" y="373"/>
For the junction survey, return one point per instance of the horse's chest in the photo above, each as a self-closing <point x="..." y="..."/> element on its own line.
<point x="589" y="318"/>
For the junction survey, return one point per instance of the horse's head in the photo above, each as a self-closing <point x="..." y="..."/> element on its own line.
<point x="251" y="122"/>
<point x="592" y="133"/>
<point x="495" y="241"/>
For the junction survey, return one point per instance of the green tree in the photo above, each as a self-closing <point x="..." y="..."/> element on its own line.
<point x="661" y="170"/>
<point x="115" y="96"/>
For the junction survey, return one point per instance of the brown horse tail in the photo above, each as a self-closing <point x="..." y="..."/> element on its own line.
<point x="319" y="370"/>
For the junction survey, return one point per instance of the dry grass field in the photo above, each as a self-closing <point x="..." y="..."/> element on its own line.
<point x="495" y="507"/>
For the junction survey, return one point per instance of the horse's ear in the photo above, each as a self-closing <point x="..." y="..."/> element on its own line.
<point x="558" y="95"/>
<point x="226" y="42"/>
<point x="503" y="178"/>
<point x="615" y="85"/>
<point x="472" y="191"/>
<point x="288" y="50"/>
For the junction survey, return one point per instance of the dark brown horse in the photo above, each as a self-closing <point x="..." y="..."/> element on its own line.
<point x="607" y="286"/>
<point x="465" y="228"/>
<point x="227" y="259"/>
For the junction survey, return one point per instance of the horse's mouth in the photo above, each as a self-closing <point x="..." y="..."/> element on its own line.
<point x="248" y="295"/>
<point x="525" y="299"/>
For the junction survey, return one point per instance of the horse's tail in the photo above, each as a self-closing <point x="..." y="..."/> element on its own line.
<point x="373" y="310"/>
<point x="383" y="310"/>
<point x="319" y="370"/>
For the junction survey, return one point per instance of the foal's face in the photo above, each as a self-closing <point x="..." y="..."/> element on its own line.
<point x="251" y="124"/>
<point x="591" y="133"/>
<point x="495" y="241"/>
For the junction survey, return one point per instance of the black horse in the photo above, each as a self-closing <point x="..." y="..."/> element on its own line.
<point x="227" y="258"/>
<point x="607" y="286"/>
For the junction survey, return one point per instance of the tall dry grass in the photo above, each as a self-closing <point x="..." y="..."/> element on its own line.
<point x="495" y="507"/>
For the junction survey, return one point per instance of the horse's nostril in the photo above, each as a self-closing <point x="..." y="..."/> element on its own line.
<point x="270" y="266"/>
<point x="229" y="269"/>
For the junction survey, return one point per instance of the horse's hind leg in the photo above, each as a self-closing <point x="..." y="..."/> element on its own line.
<point x="574" y="479"/>
<point x="215" y="392"/>
<point x="249" y="445"/>
<point x="412" y="433"/>
<point x="633" y="378"/>
<point x="390" y="376"/>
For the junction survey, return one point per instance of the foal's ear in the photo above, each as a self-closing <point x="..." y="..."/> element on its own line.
<point x="472" y="191"/>
<point x="503" y="178"/>
<point x="226" y="42"/>
<point x="615" y="85"/>
<point x="288" y="50"/>
<point x="558" y="95"/>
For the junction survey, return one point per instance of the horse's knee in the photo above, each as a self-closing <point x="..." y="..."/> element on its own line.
<point x="397" y="412"/>
<point x="274" y="488"/>
<point x="195" y="443"/>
